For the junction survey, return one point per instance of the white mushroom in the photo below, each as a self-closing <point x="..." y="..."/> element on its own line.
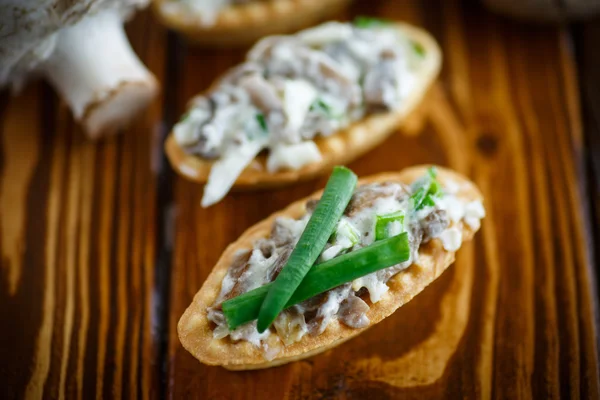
<point x="80" y="46"/>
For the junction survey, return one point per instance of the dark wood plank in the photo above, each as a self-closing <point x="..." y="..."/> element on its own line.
<point x="513" y="318"/>
<point x="78" y="247"/>
<point x="587" y="35"/>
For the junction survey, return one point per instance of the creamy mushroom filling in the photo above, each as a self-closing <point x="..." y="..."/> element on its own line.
<point x="293" y="89"/>
<point x="206" y="10"/>
<point x="349" y="303"/>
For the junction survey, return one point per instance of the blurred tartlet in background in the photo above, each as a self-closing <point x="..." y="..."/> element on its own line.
<point x="242" y="22"/>
<point x="302" y="103"/>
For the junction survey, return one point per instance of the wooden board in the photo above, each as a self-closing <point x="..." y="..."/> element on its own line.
<point x="103" y="247"/>
<point x="586" y="36"/>
<point x="78" y="246"/>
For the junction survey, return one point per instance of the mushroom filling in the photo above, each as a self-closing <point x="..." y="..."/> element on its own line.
<point x="207" y="10"/>
<point x="293" y="89"/>
<point x="442" y="218"/>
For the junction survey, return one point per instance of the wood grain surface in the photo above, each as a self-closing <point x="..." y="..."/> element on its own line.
<point x="587" y="35"/>
<point x="78" y="247"/>
<point x="103" y="246"/>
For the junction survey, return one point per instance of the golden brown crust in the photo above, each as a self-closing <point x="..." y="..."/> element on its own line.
<point x="195" y="332"/>
<point x="337" y="149"/>
<point x="244" y="24"/>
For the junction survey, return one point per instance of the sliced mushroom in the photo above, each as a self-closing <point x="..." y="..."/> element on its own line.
<point x="239" y="265"/>
<point x="311" y="205"/>
<point x="280" y="234"/>
<point x="263" y="50"/>
<point x="282" y="258"/>
<point x="328" y="308"/>
<point x="266" y="246"/>
<point x="366" y="195"/>
<point x="353" y="312"/>
<point x="335" y="81"/>
<point x="241" y="71"/>
<point x="381" y="86"/>
<point x="323" y="71"/>
<point x="433" y="224"/>
<point x="262" y="93"/>
<point x="290" y="326"/>
<point x="352" y="65"/>
<point x="195" y="133"/>
<point x="317" y="123"/>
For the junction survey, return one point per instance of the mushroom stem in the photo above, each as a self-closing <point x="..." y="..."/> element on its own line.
<point x="96" y="71"/>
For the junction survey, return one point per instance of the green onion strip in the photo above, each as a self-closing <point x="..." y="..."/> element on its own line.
<point x="321" y="225"/>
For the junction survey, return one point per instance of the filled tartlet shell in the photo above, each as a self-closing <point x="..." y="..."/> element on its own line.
<point x="195" y="331"/>
<point x="339" y="148"/>
<point x="244" y="24"/>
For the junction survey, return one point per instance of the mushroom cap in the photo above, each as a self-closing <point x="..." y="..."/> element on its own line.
<point x="28" y="30"/>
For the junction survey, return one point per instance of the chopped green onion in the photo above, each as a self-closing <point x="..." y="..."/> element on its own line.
<point x="432" y="172"/>
<point x="319" y="104"/>
<point x="383" y="223"/>
<point x="427" y="201"/>
<point x="256" y="128"/>
<point x="435" y="188"/>
<point x="418" y="48"/>
<point x="370" y="22"/>
<point x="185" y="116"/>
<point x="323" y="221"/>
<point x="260" y="118"/>
<point x="323" y="277"/>
<point x="417" y="198"/>
<point x="346" y="232"/>
<point x="425" y="190"/>
<point x="324" y="108"/>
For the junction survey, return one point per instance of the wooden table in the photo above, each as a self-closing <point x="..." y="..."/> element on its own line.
<point x="102" y="246"/>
